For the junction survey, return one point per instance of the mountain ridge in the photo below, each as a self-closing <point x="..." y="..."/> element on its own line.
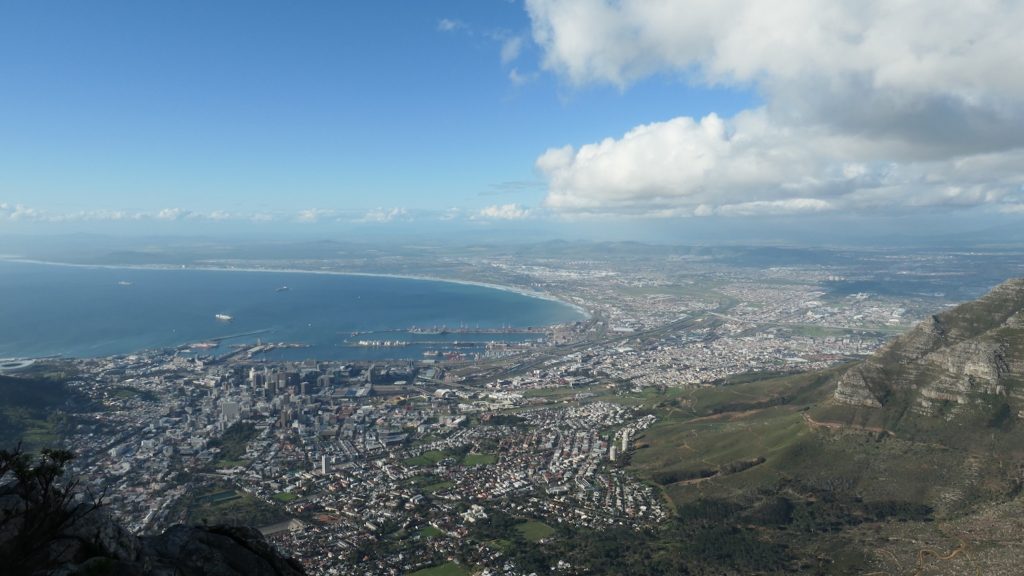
<point x="964" y="357"/>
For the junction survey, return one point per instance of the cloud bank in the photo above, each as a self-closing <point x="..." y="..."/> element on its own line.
<point x="21" y="213"/>
<point x="867" y="105"/>
<point x="503" y="212"/>
<point x="395" y="216"/>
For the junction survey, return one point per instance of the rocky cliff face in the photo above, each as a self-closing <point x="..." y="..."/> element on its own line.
<point x="970" y="354"/>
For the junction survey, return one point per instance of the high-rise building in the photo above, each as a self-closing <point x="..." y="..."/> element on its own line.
<point x="231" y="412"/>
<point x="258" y="379"/>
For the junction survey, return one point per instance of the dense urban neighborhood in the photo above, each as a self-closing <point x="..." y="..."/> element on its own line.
<point x="395" y="466"/>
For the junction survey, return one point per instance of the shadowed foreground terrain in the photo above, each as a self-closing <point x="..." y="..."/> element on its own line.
<point x="48" y="527"/>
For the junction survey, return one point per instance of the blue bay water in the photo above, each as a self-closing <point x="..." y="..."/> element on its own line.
<point x="80" y="311"/>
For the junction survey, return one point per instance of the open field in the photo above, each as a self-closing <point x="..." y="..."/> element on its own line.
<point x="473" y="459"/>
<point x="221" y="504"/>
<point x="429" y="532"/>
<point x="428" y="458"/>
<point x="694" y="291"/>
<point x="449" y="569"/>
<point x="535" y="531"/>
<point x="437" y="487"/>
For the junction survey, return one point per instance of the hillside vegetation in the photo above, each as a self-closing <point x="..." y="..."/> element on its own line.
<point x="786" y="470"/>
<point x="30" y="411"/>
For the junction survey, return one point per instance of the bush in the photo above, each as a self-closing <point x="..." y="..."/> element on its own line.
<point x="38" y="507"/>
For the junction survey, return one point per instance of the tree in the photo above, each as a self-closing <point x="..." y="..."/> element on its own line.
<point x="38" y="504"/>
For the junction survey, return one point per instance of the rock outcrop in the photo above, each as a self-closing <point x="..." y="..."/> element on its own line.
<point x="970" y="354"/>
<point x="88" y="541"/>
<point x="214" y="551"/>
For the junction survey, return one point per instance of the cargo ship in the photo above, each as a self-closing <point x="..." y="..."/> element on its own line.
<point x="208" y="345"/>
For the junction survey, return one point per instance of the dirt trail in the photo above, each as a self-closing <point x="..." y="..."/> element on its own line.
<point x="815" y="424"/>
<point x="727" y="415"/>
<point x="924" y="553"/>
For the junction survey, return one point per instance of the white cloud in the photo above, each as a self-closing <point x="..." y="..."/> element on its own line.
<point x="449" y="25"/>
<point x="172" y="214"/>
<point x="314" y="214"/>
<point x="750" y="165"/>
<point x="502" y="212"/>
<point x="382" y="215"/>
<point x="787" y="206"/>
<point x="867" y="105"/>
<point x="19" y="212"/>
<point x="510" y="49"/>
<point x="518" y="78"/>
<point x="450" y="214"/>
<point x="22" y="213"/>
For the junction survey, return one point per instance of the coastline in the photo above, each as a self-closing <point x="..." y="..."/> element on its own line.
<point x="513" y="289"/>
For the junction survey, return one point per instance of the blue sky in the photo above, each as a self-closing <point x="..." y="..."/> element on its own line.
<point x="252" y="106"/>
<point x="190" y="113"/>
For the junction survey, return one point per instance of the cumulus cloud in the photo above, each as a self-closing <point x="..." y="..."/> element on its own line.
<point x="382" y="215"/>
<point x="16" y="212"/>
<point x="314" y="214"/>
<point x="22" y="213"/>
<point x="502" y="212"/>
<point x="867" y="105"/>
<point x="172" y="214"/>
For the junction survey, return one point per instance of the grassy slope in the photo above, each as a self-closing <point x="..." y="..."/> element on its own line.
<point x="790" y="422"/>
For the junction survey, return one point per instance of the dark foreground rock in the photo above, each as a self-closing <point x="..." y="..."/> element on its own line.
<point x="85" y="540"/>
<point x="216" y="551"/>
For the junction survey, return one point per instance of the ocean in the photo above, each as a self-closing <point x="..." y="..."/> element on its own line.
<point x="48" y="309"/>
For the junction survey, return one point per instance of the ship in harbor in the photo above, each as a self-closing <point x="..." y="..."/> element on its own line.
<point x="207" y="345"/>
<point x="381" y="343"/>
<point x="223" y="317"/>
<point x="435" y="331"/>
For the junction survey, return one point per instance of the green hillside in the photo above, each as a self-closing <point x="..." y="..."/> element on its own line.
<point x="779" y="461"/>
<point x="30" y="411"/>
